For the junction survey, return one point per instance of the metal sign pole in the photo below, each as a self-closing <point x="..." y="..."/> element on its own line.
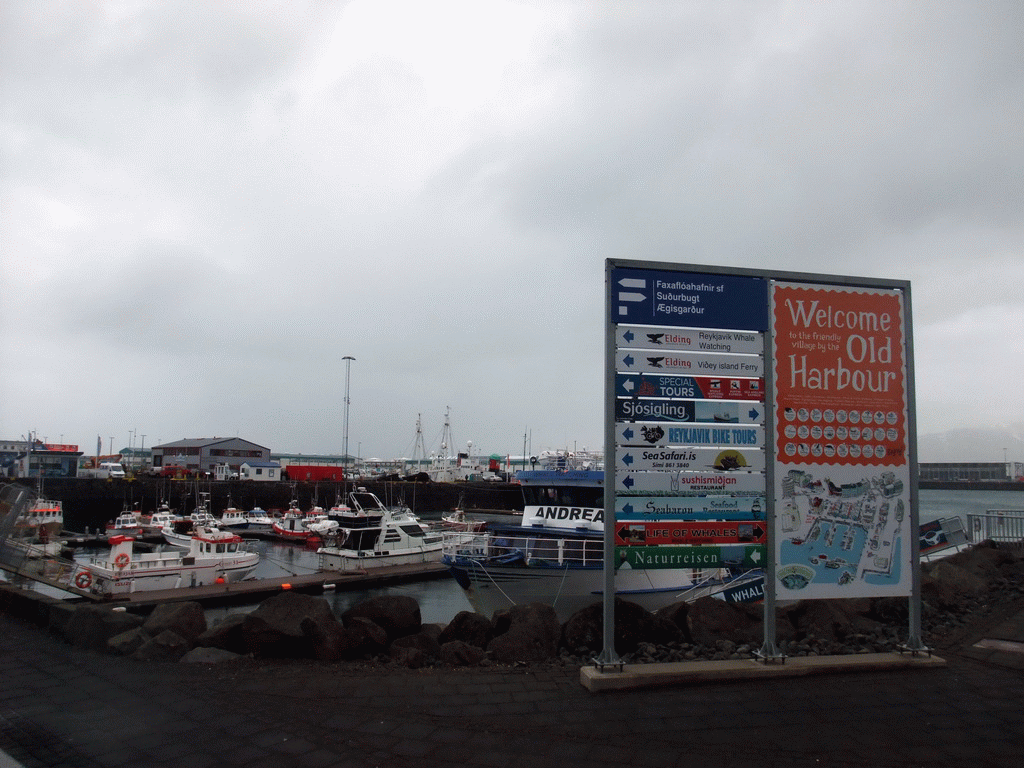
<point x="768" y="650"/>
<point x="609" y="658"/>
<point x="915" y="644"/>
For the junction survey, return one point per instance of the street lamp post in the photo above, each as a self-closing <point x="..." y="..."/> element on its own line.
<point x="348" y="368"/>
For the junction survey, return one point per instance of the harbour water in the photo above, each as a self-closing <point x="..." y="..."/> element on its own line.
<point x="441" y="599"/>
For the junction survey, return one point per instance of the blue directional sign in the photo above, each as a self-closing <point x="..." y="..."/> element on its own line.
<point x="689" y="300"/>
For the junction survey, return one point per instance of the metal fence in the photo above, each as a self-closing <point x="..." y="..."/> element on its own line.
<point x="1003" y="525"/>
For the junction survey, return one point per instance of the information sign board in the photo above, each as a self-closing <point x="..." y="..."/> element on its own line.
<point x="671" y="298"/>
<point x="689" y="340"/>
<point x="692" y="533"/>
<point x="642" y="459"/>
<point x="672" y="483"/>
<point x="740" y="556"/>
<point x="681" y="363"/>
<point x="697" y="411"/>
<point x="842" y="475"/>
<point x="652" y="508"/>
<point x="694" y="387"/>
<point x="659" y="435"/>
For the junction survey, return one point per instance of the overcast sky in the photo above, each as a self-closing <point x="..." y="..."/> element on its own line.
<point x="207" y="206"/>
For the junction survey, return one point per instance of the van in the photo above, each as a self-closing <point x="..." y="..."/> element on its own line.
<point x="111" y="469"/>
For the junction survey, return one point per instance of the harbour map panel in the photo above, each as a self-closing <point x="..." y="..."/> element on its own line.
<point x="841" y="451"/>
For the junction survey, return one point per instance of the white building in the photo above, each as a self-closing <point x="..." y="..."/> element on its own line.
<point x="265" y="471"/>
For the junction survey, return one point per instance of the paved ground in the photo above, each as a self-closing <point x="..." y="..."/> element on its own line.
<point x="61" y="706"/>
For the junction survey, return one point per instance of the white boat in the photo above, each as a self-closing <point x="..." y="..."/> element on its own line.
<point x="458" y="520"/>
<point x="126" y="524"/>
<point x="212" y="556"/>
<point x="45" y="518"/>
<point x="370" y="535"/>
<point x="556" y="555"/>
<point x="233" y="519"/>
<point x="163" y="517"/>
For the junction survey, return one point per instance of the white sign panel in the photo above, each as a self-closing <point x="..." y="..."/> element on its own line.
<point x="694" y="363"/>
<point x="640" y="459"/>
<point x="689" y="340"/>
<point x="672" y="483"/>
<point x="739" y="436"/>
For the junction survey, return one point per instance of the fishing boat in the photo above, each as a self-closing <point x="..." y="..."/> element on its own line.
<point x="556" y="555"/>
<point x="212" y="557"/>
<point x="370" y="535"/>
<point x="295" y="524"/>
<point x="126" y="524"/>
<point x="255" y="520"/>
<point x="458" y="520"/>
<point x="37" y="529"/>
<point x="163" y="517"/>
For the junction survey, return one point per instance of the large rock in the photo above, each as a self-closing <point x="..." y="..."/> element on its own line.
<point x="423" y="641"/>
<point x="91" y="626"/>
<point x="946" y="585"/>
<point x="208" y="656"/>
<point x="275" y="628"/>
<point x="467" y="627"/>
<point x="398" y="615"/>
<point x="128" y="642"/>
<point x="833" y="619"/>
<point x="456" y="653"/>
<point x="633" y="625"/>
<point x="226" y="635"/>
<point x="711" y="620"/>
<point x="525" y="633"/>
<point x="330" y="641"/>
<point x="985" y="560"/>
<point x="167" y="646"/>
<point x="187" y="620"/>
<point x="368" y="638"/>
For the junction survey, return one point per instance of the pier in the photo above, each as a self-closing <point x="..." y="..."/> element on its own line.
<point x="249" y="590"/>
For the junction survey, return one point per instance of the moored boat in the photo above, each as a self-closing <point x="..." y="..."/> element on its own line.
<point x="556" y="554"/>
<point x="295" y="524"/>
<point x="126" y="524"/>
<point x="370" y="535"/>
<point x="212" y="556"/>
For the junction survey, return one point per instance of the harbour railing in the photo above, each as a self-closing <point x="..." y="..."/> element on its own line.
<point x="1003" y="525"/>
<point x="535" y="550"/>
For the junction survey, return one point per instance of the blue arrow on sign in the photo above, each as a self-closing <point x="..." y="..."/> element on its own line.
<point x="627" y="459"/>
<point x="628" y="433"/>
<point x="628" y="360"/>
<point x="627" y="509"/>
<point x="628" y="482"/>
<point x="628" y="336"/>
<point x="753" y="414"/>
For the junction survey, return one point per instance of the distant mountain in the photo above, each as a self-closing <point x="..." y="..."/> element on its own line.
<point x="964" y="445"/>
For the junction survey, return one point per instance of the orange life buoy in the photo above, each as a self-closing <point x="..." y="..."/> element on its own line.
<point x="122" y="560"/>
<point x="83" y="580"/>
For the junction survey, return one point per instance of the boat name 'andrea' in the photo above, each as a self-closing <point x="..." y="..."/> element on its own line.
<point x="570" y="513"/>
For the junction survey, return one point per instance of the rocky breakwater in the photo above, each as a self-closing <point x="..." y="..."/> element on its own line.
<point x="959" y="594"/>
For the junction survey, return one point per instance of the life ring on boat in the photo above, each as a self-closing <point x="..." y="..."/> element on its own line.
<point x="83" y="580"/>
<point x="122" y="560"/>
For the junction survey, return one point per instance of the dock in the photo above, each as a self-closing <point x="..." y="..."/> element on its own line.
<point x="253" y="590"/>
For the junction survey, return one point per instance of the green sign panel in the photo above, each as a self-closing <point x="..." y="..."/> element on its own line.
<point x="743" y="556"/>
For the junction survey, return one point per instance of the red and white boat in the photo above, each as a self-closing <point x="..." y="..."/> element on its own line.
<point x="213" y="557"/>
<point x="295" y="524"/>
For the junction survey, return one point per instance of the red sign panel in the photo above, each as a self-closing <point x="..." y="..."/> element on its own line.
<point x="647" y="534"/>
<point x="840" y="376"/>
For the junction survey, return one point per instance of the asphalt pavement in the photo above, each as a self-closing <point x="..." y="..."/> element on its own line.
<point x="62" y="706"/>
